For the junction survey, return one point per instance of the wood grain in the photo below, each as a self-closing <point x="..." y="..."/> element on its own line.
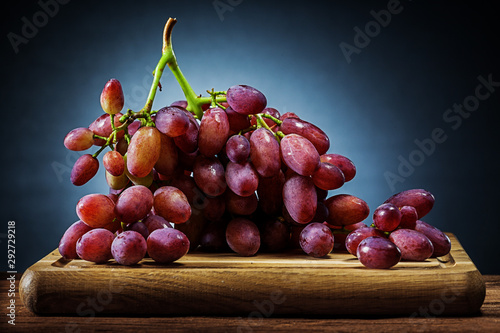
<point x="265" y="285"/>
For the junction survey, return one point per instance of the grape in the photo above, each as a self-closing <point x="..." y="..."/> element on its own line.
<point x="181" y="103"/>
<point x="214" y="131"/>
<point x="67" y="244"/>
<point x="422" y="200"/>
<point x="128" y="248"/>
<point x="299" y="154"/>
<point x="209" y="175"/>
<point x="153" y="222"/>
<point x="213" y="237"/>
<point x="409" y="217"/>
<point x="172" y="204"/>
<point x="295" y="231"/>
<point x="245" y="99"/>
<point x="134" y="204"/>
<point x="328" y="177"/>
<point x="167" y="245"/>
<point x="79" y="139"/>
<point x="102" y="127"/>
<point x="414" y="245"/>
<point x="378" y="252"/>
<point x="440" y="241"/>
<point x="145" y="181"/>
<point x="343" y="163"/>
<point x="143" y="151"/>
<point x="275" y="235"/>
<point x="387" y="217"/>
<point x="237" y="148"/>
<point x="139" y="227"/>
<point x="242" y="179"/>
<point x="270" y="193"/>
<point x="312" y="133"/>
<point x="321" y="212"/>
<point x="113" y="163"/>
<point x="188" y="186"/>
<point x="172" y="121"/>
<point x="265" y="152"/>
<point x="299" y="197"/>
<point x="243" y="236"/>
<point x="84" y="169"/>
<point x="316" y="239"/>
<point x="237" y="121"/>
<point x="95" y="245"/>
<point x="112" y="99"/>
<point x="239" y="205"/>
<point x="345" y="209"/>
<point x="96" y="210"/>
<point x="116" y="182"/>
<point x="288" y="115"/>
<point x="168" y="159"/>
<point x="188" y="142"/>
<point x="356" y="236"/>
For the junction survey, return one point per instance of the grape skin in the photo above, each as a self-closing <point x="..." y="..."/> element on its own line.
<point x="265" y="152"/>
<point x="143" y="151"/>
<point x="209" y="175"/>
<point x="167" y="245"/>
<point x="356" y="236"/>
<point x="328" y="177"/>
<point x="243" y="237"/>
<point x="299" y="154"/>
<point x="345" y="209"/>
<point x="102" y="127"/>
<point x="414" y="245"/>
<point x="242" y="179"/>
<point x="300" y="199"/>
<point x="422" y="200"/>
<point x="343" y="163"/>
<point x="128" y="248"/>
<point x="316" y="239"/>
<point x="134" y="204"/>
<point x="387" y="217"/>
<point x="168" y="159"/>
<point x="67" y="244"/>
<point x="95" y="246"/>
<point x="409" y="217"/>
<point x="312" y="133"/>
<point x="112" y="99"/>
<point x="440" y="241"/>
<point x="153" y="222"/>
<point x="214" y="131"/>
<point x="113" y="163"/>
<point x="237" y="148"/>
<point x="378" y="252"/>
<point x="84" y="169"/>
<point x="172" y="121"/>
<point x="245" y="99"/>
<point x="96" y="210"/>
<point x="172" y="204"/>
<point x="79" y="139"/>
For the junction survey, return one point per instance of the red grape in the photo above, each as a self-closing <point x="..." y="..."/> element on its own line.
<point x="387" y="217"/>
<point x="143" y="151"/>
<point x="167" y="245"/>
<point x="84" y="169"/>
<point x="112" y="99"/>
<point x="414" y="245"/>
<point x="243" y="237"/>
<point x="95" y="246"/>
<point x="378" y="252"/>
<point x="300" y="199"/>
<point x="96" y="210"/>
<point x="245" y="99"/>
<point x="171" y="204"/>
<point x="345" y="209"/>
<point x="299" y="154"/>
<point x="79" y="139"/>
<point x="128" y="248"/>
<point x="67" y="244"/>
<point x="440" y="241"/>
<point x="316" y="239"/>
<point x="214" y="131"/>
<point x="134" y="204"/>
<point x="172" y="121"/>
<point x="265" y="152"/>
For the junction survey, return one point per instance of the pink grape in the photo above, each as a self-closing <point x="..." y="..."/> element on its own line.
<point x="239" y="205"/>
<point x="265" y="152"/>
<point x="328" y="177"/>
<point x="112" y="99"/>
<point x="356" y="236"/>
<point x="378" y="252"/>
<point x="343" y="163"/>
<point x="316" y="239"/>
<point x="95" y="246"/>
<point x="143" y="151"/>
<point x="209" y="175"/>
<point x="153" y="222"/>
<point x="422" y="200"/>
<point x="409" y="217"/>
<point x="113" y="163"/>
<point x="128" y="248"/>
<point x="172" y="121"/>
<point x="345" y="209"/>
<point x="242" y="178"/>
<point x="414" y="245"/>
<point x="79" y="139"/>
<point x="171" y="204"/>
<point x="67" y="244"/>
<point x="238" y="148"/>
<point x="102" y="127"/>
<point x="96" y="210"/>
<point x="134" y="204"/>
<point x="440" y="241"/>
<point x="299" y="154"/>
<point x="311" y="132"/>
<point x="387" y="217"/>
<point x="169" y="158"/>
<point x="243" y="237"/>
<point x="300" y="199"/>
<point x="245" y="99"/>
<point x="167" y="245"/>
<point x="214" y="131"/>
<point x="84" y="169"/>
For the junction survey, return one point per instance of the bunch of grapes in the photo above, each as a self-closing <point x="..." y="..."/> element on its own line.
<point x="223" y="172"/>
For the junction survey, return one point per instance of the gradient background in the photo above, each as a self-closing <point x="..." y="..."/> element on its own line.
<point x="396" y="90"/>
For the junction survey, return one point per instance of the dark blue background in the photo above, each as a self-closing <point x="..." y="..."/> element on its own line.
<point x="394" y="91"/>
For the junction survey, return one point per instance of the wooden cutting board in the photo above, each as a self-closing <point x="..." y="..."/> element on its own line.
<point x="265" y="285"/>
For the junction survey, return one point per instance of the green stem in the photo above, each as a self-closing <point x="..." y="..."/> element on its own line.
<point x="276" y="120"/>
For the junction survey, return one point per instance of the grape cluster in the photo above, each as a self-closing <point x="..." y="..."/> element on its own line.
<point x="397" y="233"/>
<point x="226" y="172"/>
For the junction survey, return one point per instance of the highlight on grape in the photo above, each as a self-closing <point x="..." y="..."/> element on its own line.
<point x="226" y="172"/>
